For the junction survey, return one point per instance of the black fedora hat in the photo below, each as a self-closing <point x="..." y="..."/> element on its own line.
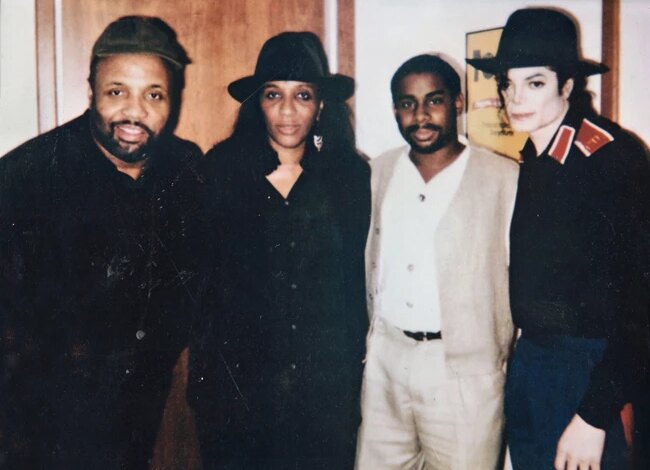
<point x="538" y="37"/>
<point x="295" y="56"/>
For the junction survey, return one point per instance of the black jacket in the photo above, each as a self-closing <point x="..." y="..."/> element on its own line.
<point x="97" y="273"/>
<point x="276" y="353"/>
<point x="580" y="251"/>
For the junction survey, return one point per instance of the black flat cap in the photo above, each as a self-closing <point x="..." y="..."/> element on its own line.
<point x="141" y="35"/>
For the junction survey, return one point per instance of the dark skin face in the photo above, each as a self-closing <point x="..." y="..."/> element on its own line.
<point x="426" y="112"/>
<point x="130" y="104"/>
<point x="426" y="115"/>
<point x="290" y="109"/>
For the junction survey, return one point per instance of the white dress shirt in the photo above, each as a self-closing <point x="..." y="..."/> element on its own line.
<point x="407" y="294"/>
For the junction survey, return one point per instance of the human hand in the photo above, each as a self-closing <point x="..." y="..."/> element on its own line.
<point x="580" y="447"/>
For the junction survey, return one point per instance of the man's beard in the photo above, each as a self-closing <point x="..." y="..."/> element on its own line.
<point x="107" y="140"/>
<point x="441" y="141"/>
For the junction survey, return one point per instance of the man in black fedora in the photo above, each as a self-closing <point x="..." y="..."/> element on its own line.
<point x="96" y="263"/>
<point x="580" y="253"/>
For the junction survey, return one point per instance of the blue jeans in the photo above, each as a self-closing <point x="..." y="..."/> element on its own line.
<point x="545" y="384"/>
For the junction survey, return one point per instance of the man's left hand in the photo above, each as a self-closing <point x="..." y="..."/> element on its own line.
<point x="580" y="447"/>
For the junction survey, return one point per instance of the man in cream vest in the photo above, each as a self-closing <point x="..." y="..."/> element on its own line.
<point x="437" y="282"/>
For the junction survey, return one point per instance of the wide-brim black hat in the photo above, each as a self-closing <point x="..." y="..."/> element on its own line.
<point x="294" y="56"/>
<point x="538" y="37"/>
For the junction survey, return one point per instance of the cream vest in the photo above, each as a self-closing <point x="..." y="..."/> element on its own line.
<point x="472" y="260"/>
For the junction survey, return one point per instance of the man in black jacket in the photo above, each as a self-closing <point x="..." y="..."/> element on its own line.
<point x="96" y="263"/>
<point x="579" y="257"/>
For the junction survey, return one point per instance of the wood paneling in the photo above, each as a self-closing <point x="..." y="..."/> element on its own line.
<point x="345" y="33"/>
<point x="610" y="56"/>
<point x="223" y="39"/>
<point x="346" y="37"/>
<point x="46" y="66"/>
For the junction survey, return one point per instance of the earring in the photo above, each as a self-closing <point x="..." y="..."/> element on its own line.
<point x="318" y="142"/>
<point x="318" y="139"/>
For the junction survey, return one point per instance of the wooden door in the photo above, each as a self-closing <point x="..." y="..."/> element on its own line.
<point x="223" y="39"/>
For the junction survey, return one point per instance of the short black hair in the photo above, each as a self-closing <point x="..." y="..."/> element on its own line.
<point x="427" y="63"/>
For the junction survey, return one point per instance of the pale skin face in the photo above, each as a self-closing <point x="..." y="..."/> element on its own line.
<point x="426" y="115"/>
<point x="534" y="104"/>
<point x="130" y="104"/>
<point x="290" y="110"/>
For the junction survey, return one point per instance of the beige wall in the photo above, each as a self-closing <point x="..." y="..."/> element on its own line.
<point x="18" y="117"/>
<point x="634" y="92"/>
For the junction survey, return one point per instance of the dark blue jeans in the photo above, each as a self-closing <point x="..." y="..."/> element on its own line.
<point x="545" y="384"/>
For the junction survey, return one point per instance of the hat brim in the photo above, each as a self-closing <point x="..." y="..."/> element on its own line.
<point x="130" y="50"/>
<point x="494" y="65"/>
<point x="335" y="87"/>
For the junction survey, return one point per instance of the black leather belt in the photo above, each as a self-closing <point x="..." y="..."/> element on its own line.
<point x="423" y="335"/>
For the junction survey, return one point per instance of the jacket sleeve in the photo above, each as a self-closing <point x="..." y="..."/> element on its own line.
<point x="613" y="379"/>
<point x="22" y="258"/>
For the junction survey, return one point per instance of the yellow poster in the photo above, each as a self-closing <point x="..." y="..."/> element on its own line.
<point x="487" y="125"/>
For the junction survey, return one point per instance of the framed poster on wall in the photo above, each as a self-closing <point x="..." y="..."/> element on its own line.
<point x="487" y="126"/>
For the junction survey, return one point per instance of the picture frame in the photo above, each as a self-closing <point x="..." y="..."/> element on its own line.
<point x="487" y="125"/>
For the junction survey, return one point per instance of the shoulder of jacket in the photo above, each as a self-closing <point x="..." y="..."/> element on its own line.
<point x="222" y="155"/>
<point x="494" y="162"/>
<point x="593" y="134"/>
<point x="186" y="147"/>
<point x="388" y="157"/>
<point x="353" y="162"/>
<point x="37" y="153"/>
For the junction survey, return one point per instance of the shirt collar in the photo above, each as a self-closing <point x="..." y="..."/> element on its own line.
<point x="268" y="159"/>
<point x="457" y="166"/>
<point x="560" y="144"/>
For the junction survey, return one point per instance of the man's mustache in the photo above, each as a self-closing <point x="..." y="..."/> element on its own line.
<point x="429" y="126"/>
<point x="132" y="123"/>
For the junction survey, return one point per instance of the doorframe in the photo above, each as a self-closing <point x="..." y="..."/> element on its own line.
<point x="46" y="55"/>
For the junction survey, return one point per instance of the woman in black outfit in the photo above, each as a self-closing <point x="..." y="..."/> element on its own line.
<point x="277" y="348"/>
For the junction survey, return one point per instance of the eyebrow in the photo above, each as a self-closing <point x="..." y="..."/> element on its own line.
<point x="154" y="85"/>
<point x="439" y="92"/>
<point x="442" y="91"/>
<point x="535" y="75"/>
